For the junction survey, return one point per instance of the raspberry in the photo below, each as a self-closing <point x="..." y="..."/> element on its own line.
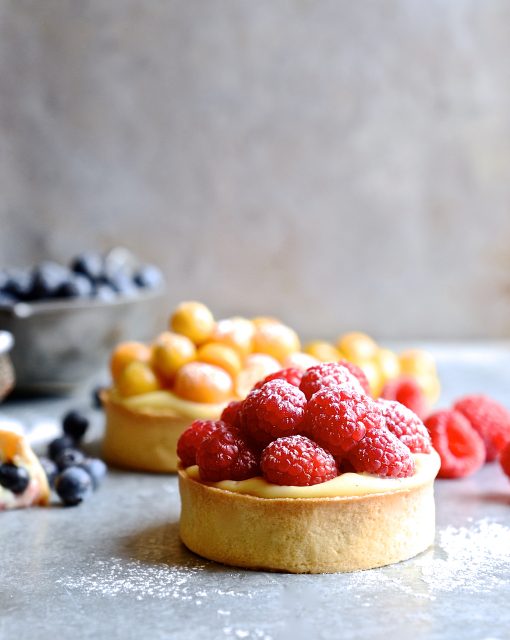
<point x="226" y="455"/>
<point x="489" y="418"/>
<point x="358" y="373"/>
<point x="381" y="453"/>
<point x="408" y="392"/>
<point x="504" y="459"/>
<point x="230" y="413"/>
<point x="406" y="425"/>
<point x="460" y="448"/>
<point x="193" y="437"/>
<point x="326" y="375"/>
<point x="297" y="461"/>
<point x="338" y="418"/>
<point x="290" y="375"/>
<point x="275" y="410"/>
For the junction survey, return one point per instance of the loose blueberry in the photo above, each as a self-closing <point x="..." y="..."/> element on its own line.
<point x="75" y="424"/>
<point x="6" y="300"/>
<point x="148" y="277"/>
<point x="89" y="264"/>
<point x="69" y="458"/>
<point x="96" y="396"/>
<point x="14" y="478"/>
<point x="96" y="469"/>
<point x="73" y="485"/>
<point x="50" y="469"/>
<point x="60" y="444"/>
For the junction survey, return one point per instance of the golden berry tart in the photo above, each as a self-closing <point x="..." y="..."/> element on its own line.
<point x="190" y="372"/>
<point x="291" y="481"/>
<point x="15" y="451"/>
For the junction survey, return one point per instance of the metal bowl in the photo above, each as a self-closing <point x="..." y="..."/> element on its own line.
<point x="6" y="368"/>
<point x="59" y="345"/>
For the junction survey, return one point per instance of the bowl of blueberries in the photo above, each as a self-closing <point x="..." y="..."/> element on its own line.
<point x="64" y="320"/>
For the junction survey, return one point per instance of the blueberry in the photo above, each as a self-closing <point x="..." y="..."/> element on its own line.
<point x="148" y="277"/>
<point x="76" y="286"/>
<point x="73" y="485"/>
<point x="75" y="424"/>
<point x="96" y="396"/>
<point x="58" y="445"/>
<point x="123" y="284"/>
<point x="96" y="469"/>
<point x="4" y="277"/>
<point x="69" y="458"/>
<point x="89" y="264"/>
<point x="14" y="478"/>
<point x="105" y="293"/>
<point x="6" y="300"/>
<point x="47" y="278"/>
<point x="18" y="285"/>
<point x="50" y="469"/>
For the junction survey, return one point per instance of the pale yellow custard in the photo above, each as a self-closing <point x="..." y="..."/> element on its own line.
<point x="344" y="485"/>
<point x="166" y="402"/>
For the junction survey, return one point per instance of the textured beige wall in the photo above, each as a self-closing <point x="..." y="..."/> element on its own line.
<point x="340" y="164"/>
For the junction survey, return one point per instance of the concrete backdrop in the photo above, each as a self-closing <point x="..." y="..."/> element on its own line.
<point x="340" y="164"/>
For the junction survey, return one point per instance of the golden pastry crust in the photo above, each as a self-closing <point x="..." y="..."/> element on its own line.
<point x="144" y="441"/>
<point x="306" y="535"/>
<point x="15" y="448"/>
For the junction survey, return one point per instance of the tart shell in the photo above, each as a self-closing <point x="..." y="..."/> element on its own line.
<point x="143" y="441"/>
<point x="306" y="535"/>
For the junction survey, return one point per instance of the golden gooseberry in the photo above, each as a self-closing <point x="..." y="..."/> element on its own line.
<point x="202" y="382"/>
<point x="137" y="378"/>
<point x="193" y="320"/>
<point x="170" y="352"/>
<point x="125" y="353"/>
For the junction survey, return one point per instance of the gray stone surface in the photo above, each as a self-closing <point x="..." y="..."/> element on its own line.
<point x="341" y="164"/>
<point x="114" y="568"/>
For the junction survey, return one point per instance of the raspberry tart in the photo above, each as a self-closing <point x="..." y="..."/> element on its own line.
<point x="23" y="482"/>
<point x="308" y="476"/>
<point x="190" y="372"/>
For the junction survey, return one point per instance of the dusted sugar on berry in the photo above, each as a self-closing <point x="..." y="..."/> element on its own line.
<point x="338" y="418"/>
<point x="406" y="425"/>
<point x="292" y="375"/>
<point x="381" y="453"/>
<point x="226" y="455"/>
<point x="231" y="413"/>
<point x="460" y="448"/>
<point x="358" y="373"/>
<point x="275" y="410"/>
<point x="408" y="392"/>
<point x="489" y="418"/>
<point x="193" y="437"/>
<point x="327" y="375"/>
<point x="297" y="461"/>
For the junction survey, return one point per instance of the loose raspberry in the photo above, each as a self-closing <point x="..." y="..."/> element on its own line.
<point x="326" y="375"/>
<point x="460" y="448"/>
<point x="230" y="413"/>
<point x="504" y="459"/>
<point x="290" y="375"/>
<point x="192" y="438"/>
<point x="297" y="461"/>
<point x="275" y="410"/>
<point x="381" y="453"/>
<point x="358" y="373"/>
<point x="406" y="425"/>
<point x="489" y="418"/>
<point x="408" y="392"/>
<point x="338" y="418"/>
<point x="226" y="455"/>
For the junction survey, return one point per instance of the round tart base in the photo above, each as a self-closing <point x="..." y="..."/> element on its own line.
<point x="142" y="441"/>
<point x="306" y="535"/>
